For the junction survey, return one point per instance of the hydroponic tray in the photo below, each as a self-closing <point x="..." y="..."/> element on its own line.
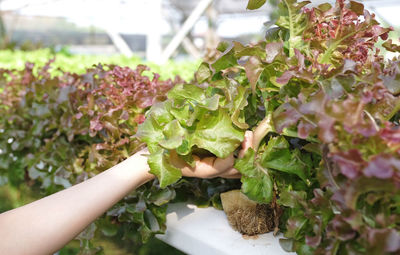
<point x="200" y="231"/>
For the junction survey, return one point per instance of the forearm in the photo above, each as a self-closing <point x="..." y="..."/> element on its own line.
<point x="46" y="225"/>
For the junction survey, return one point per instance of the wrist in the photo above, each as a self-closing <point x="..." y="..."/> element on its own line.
<point x="138" y="162"/>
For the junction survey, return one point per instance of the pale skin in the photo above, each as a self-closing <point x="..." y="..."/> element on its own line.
<point x="48" y="224"/>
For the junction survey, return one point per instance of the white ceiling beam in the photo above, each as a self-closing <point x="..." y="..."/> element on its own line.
<point x="184" y="30"/>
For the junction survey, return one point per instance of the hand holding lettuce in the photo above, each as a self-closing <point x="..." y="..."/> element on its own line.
<point x="323" y="105"/>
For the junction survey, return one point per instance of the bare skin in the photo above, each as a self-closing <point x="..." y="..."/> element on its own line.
<point x="48" y="224"/>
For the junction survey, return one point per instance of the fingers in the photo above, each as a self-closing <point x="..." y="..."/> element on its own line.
<point x="222" y="164"/>
<point x="247" y="143"/>
<point x="210" y="167"/>
<point x="205" y="168"/>
<point x="216" y="167"/>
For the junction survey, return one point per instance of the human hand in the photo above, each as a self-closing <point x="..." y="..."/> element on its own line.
<point x="211" y="167"/>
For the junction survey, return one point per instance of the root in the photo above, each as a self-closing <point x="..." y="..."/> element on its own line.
<point x="246" y="216"/>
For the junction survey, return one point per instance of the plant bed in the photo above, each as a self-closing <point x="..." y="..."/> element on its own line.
<point x="197" y="231"/>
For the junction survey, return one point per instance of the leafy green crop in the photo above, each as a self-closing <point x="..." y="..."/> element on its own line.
<point x="323" y="105"/>
<point x="189" y="120"/>
<point x="56" y="131"/>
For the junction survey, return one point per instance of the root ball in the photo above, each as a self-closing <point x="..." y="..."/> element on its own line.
<point x="246" y="216"/>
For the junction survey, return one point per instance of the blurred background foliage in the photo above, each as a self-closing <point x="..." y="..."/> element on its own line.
<point x="74" y="63"/>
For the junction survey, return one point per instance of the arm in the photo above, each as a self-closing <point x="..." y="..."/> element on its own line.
<point x="48" y="224"/>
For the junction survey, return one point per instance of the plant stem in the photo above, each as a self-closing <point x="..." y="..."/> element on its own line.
<point x="372" y="120"/>
<point x="262" y="130"/>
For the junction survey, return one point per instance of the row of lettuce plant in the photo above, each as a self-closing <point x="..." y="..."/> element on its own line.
<point x="323" y="104"/>
<point x="56" y="131"/>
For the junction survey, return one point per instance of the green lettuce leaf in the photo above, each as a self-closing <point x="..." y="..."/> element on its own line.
<point x="292" y="18"/>
<point x="255" y="4"/>
<point x="161" y="167"/>
<point x="256" y="182"/>
<point x="278" y="156"/>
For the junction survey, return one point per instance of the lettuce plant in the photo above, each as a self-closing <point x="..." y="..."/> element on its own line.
<point x="323" y="104"/>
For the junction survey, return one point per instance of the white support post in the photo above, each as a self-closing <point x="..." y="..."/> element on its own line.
<point x="189" y="23"/>
<point x="191" y="48"/>
<point x="119" y="43"/>
<point x="199" y="231"/>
